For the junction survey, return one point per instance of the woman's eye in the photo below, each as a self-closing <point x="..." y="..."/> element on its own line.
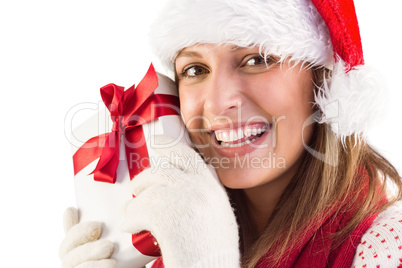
<point x="257" y="60"/>
<point x="194" y="71"/>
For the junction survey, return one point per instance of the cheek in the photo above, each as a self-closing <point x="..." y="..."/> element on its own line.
<point x="191" y="109"/>
<point x="286" y="94"/>
<point x="295" y="131"/>
<point x="192" y="112"/>
<point x="288" y="98"/>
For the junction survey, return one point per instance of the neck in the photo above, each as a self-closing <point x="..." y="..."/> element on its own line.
<point x="262" y="200"/>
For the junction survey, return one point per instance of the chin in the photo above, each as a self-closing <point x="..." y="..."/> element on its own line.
<point x="245" y="178"/>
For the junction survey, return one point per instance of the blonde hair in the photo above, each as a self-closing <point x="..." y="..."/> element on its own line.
<point x="317" y="188"/>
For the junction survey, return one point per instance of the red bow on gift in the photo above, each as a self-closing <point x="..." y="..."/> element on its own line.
<point x="129" y="110"/>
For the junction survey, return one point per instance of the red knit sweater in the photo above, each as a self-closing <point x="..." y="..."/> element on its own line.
<point x="380" y="246"/>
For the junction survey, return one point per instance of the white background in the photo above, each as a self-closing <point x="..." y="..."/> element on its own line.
<point x="57" y="54"/>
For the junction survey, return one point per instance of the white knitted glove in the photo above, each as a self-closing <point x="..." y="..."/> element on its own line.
<point x="80" y="248"/>
<point x="185" y="207"/>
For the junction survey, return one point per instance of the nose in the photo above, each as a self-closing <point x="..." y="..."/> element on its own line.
<point x="223" y="93"/>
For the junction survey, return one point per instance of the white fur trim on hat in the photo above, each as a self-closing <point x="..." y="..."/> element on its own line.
<point x="351" y="101"/>
<point x="299" y="29"/>
<point x="280" y="27"/>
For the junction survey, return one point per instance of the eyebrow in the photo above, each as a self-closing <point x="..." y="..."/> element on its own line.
<point x="188" y="53"/>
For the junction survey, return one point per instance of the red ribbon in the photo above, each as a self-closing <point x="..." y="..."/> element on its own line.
<point x="145" y="243"/>
<point x="129" y="110"/>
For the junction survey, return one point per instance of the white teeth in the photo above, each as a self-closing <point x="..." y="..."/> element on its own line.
<point x="225" y="136"/>
<point x="218" y="136"/>
<point x="240" y="133"/>
<point x="230" y="135"/>
<point x="233" y="135"/>
<point x="225" y="144"/>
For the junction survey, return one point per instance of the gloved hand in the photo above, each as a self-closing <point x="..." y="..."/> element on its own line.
<point x="186" y="208"/>
<point x="80" y="248"/>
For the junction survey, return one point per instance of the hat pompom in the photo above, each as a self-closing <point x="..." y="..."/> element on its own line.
<point x="351" y="101"/>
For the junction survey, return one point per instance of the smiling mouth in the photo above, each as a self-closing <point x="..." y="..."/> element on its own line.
<point x="240" y="136"/>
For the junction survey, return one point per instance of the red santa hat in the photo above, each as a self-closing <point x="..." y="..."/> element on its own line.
<point x="316" y="32"/>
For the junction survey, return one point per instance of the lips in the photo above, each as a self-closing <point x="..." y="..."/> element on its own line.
<point x="236" y="137"/>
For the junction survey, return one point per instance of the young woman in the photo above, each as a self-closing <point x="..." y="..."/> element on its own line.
<point x="276" y="97"/>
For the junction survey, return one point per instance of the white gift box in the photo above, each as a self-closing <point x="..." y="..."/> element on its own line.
<point x="104" y="202"/>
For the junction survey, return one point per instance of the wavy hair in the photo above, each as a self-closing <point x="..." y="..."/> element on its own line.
<point x="319" y="187"/>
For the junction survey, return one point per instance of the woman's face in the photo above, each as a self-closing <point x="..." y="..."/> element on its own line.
<point x="244" y="114"/>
